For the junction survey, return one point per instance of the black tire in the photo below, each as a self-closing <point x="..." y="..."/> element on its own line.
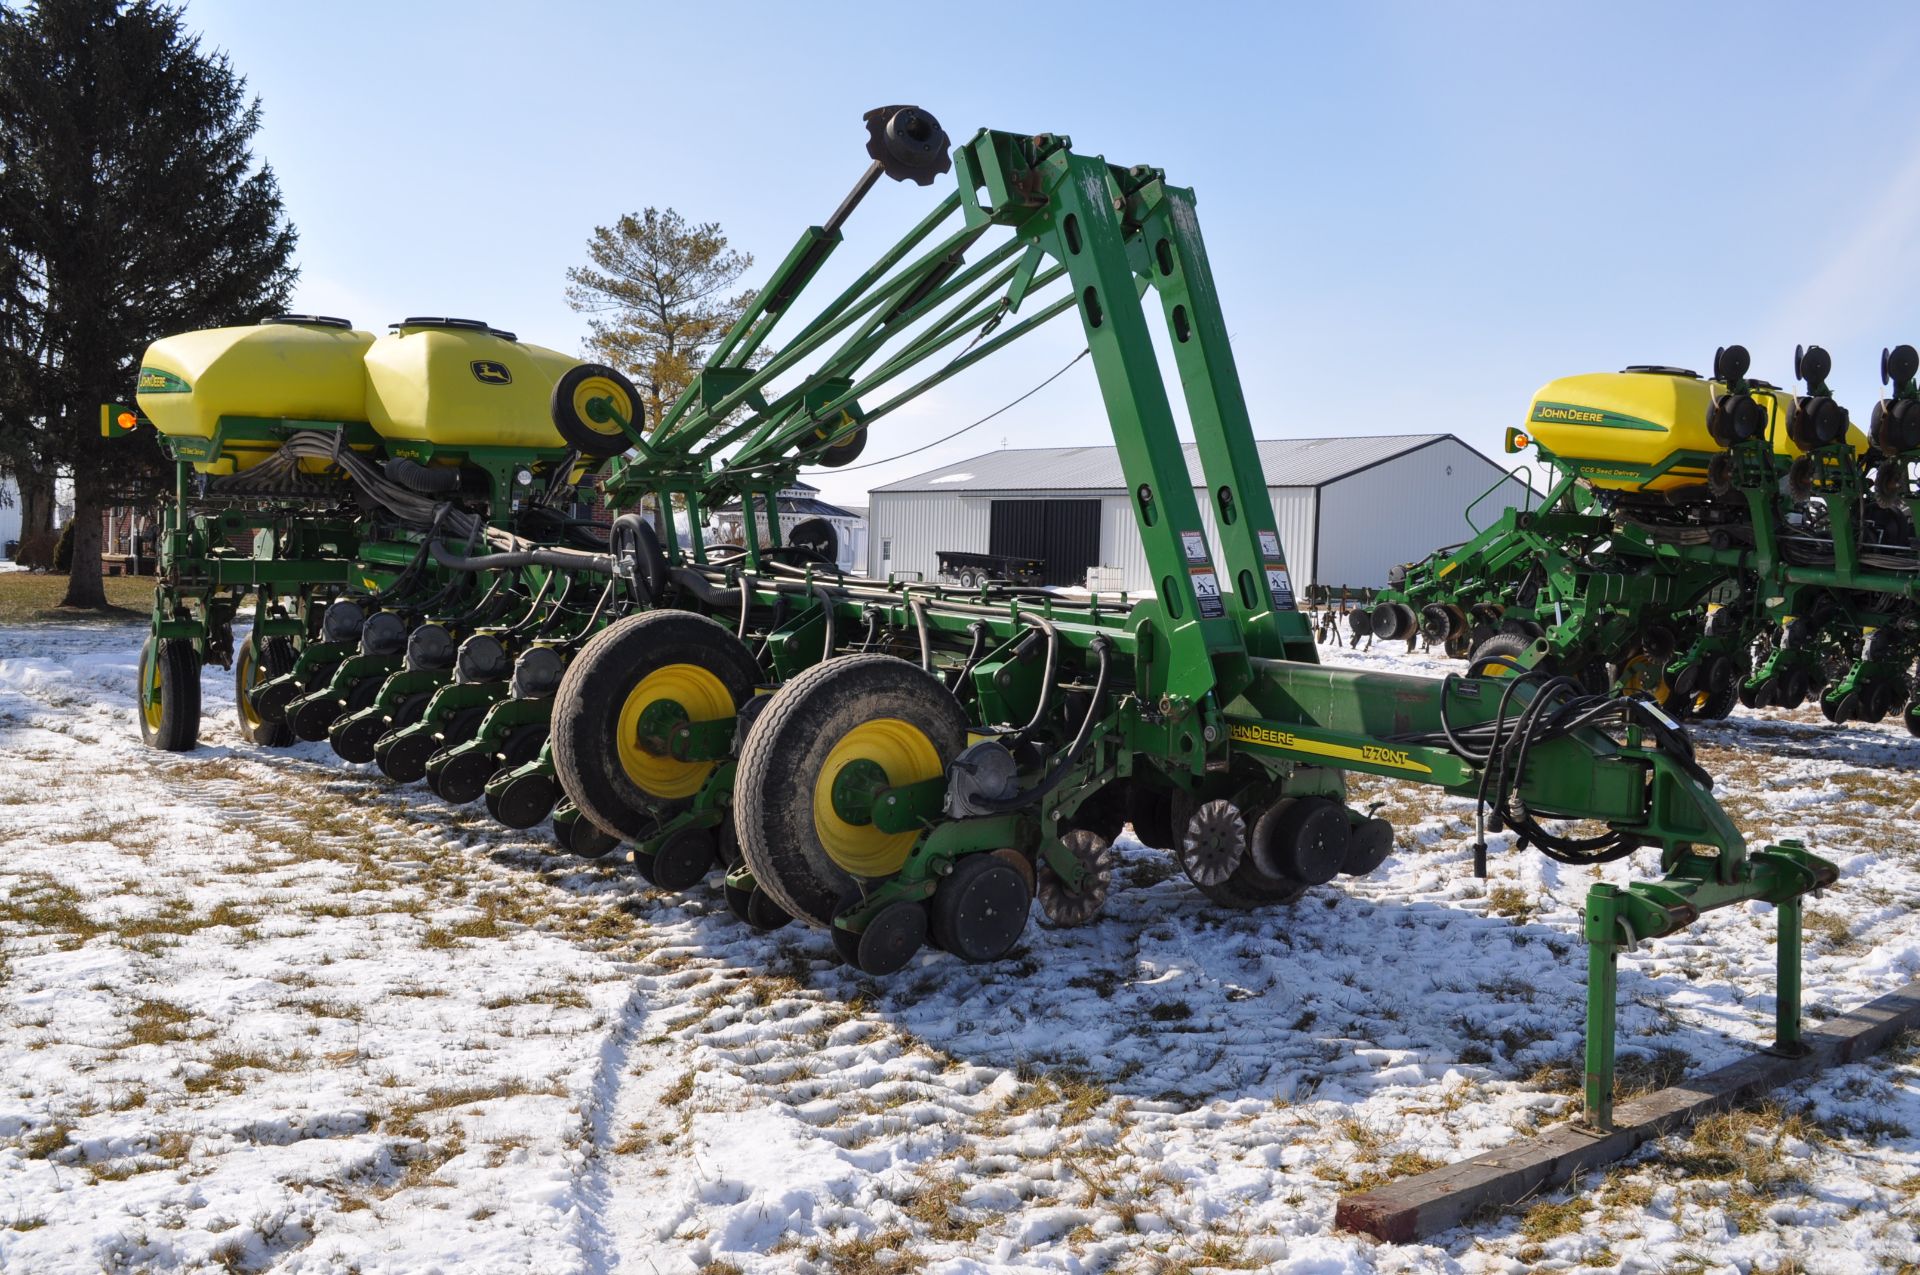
<point x="594" y="694"/>
<point x="582" y="382"/>
<point x="254" y="665"/>
<point x="1722" y="691"/>
<point x="1511" y="645"/>
<point x="167" y="700"/>
<point x="844" y="452"/>
<point x="788" y="751"/>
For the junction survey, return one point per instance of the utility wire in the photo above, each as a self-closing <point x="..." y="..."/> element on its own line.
<point x="847" y="469"/>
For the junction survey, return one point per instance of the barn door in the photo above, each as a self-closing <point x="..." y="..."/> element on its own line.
<point x="1065" y="534"/>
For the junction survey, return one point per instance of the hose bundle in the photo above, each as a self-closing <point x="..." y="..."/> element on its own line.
<point x="1560" y="707"/>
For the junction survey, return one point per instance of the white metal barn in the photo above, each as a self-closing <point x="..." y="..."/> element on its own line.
<point x="1348" y="509"/>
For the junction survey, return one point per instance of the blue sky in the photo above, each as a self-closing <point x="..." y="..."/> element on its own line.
<point x="1416" y="213"/>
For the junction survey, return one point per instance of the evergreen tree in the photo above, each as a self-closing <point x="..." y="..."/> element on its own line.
<point x="131" y="206"/>
<point x="657" y="288"/>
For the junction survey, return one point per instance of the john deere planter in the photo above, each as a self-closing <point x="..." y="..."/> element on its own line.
<point x="1705" y="541"/>
<point x="890" y="761"/>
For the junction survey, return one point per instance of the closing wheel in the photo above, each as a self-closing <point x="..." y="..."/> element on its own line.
<point x="524" y="801"/>
<point x="980" y="909"/>
<point x="404" y="760"/>
<point x="680" y="862"/>
<point x="169" y="706"/>
<point x="891" y="938"/>
<point x="259" y="662"/>
<point x="824" y="744"/>
<point x="755" y="908"/>
<point x="1214" y="842"/>
<point x="353" y="737"/>
<point x="464" y="778"/>
<point x="585" y="400"/>
<point x="629" y="686"/>
<point x="576" y="834"/>
<point x="1096" y="858"/>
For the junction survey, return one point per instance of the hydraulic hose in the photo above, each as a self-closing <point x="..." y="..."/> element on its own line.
<point x="558" y="559"/>
<point x="428" y="480"/>
<point x="1102" y="647"/>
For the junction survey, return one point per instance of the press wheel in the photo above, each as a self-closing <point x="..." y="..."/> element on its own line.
<point x="680" y="862"/>
<point x="756" y="908"/>
<point x="980" y="909"/>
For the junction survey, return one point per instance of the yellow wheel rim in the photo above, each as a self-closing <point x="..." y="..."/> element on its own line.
<point x="701" y="696"/>
<point x="150" y="704"/>
<point x="904" y="752"/>
<point x="249" y="678"/>
<point x="600" y="387"/>
<point x="1644" y="676"/>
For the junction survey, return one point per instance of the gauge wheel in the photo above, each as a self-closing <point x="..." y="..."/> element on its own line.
<point x="257" y="663"/>
<point x="169" y="704"/>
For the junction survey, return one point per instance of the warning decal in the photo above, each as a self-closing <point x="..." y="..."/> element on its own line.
<point x="1195" y="545"/>
<point x="1270" y="546"/>
<point x="1280" y="588"/>
<point x="1206" y="588"/>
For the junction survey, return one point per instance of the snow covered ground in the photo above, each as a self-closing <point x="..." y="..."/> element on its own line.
<point x="263" y="1010"/>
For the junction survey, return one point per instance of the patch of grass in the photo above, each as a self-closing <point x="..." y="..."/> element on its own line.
<point x="41" y="1144"/>
<point x="1746" y="1147"/>
<point x="679" y="1091"/>
<point x="1510" y="900"/>
<point x="1830" y="926"/>
<point x="1403" y="1164"/>
<point x="1170" y="1012"/>
<point x="936" y="1206"/>
<point x="46" y="906"/>
<point x="880" y="1253"/>
<point x="33" y="597"/>
<point x="26" y="1224"/>
<point x="159" y="1023"/>
<point x="222" y="1068"/>
<point x="1548" y="1219"/>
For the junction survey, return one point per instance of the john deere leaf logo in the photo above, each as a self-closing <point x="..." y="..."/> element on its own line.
<point x="488" y="372"/>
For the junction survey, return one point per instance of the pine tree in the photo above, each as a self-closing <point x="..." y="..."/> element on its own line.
<point x="657" y="287"/>
<point x="131" y="206"/>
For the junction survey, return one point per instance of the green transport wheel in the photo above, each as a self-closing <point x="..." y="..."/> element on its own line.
<point x="630" y="684"/>
<point x="838" y="729"/>
<point x="680" y="862"/>
<point x="574" y="833"/>
<point x="259" y="662"/>
<point x="169" y="705"/>
<point x="980" y="909"/>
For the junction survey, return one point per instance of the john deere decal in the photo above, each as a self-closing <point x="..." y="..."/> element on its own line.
<point x="488" y="372"/>
<point x="155" y="381"/>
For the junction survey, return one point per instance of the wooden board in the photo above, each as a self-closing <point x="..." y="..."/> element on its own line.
<point x="1417" y="1207"/>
